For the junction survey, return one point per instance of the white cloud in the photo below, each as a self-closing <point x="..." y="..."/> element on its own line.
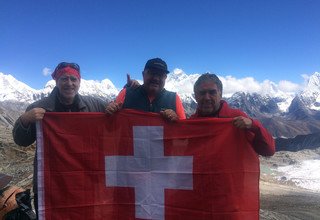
<point x="287" y="86"/>
<point x="46" y="71"/>
<point x="181" y="82"/>
<point x="232" y="85"/>
<point x="251" y="85"/>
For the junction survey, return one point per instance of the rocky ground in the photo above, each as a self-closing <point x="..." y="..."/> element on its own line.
<point x="283" y="202"/>
<point x="279" y="199"/>
<point x="282" y="199"/>
<point x="16" y="161"/>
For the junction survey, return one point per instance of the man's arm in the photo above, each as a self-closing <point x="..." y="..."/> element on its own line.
<point x="24" y="130"/>
<point x="23" y="136"/>
<point x="171" y="115"/>
<point x="113" y="107"/>
<point x="263" y="143"/>
<point x="179" y="108"/>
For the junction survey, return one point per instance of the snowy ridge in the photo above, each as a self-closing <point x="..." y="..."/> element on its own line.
<point x="12" y="89"/>
<point x="182" y="83"/>
<point x="311" y="93"/>
<point x="178" y="81"/>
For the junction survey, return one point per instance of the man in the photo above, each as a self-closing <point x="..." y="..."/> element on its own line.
<point x="63" y="98"/>
<point x="151" y="96"/>
<point x="208" y="94"/>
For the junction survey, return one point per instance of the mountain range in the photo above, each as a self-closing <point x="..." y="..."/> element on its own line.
<point x="290" y="118"/>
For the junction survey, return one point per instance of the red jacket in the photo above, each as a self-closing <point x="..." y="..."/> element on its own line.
<point x="261" y="139"/>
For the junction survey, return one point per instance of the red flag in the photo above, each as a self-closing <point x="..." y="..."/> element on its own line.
<point x="134" y="165"/>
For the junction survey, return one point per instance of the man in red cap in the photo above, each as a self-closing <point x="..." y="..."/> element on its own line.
<point x="63" y="98"/>
<point x="151" y="96"/>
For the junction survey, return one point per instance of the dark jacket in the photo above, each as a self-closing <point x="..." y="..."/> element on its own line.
<point x="24" y="136"/>
<point x="261" y="139"/>
<point x="138" y="99"/>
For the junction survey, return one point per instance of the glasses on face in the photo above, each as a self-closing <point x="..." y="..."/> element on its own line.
<point x="65" y="64"/>
<point x="211" y="92"/>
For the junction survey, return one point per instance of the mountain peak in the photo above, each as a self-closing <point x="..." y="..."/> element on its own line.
<point x="178" y="71"/>
<point x="12" y="89"/>
<point x="311" y="94"/>
<point x="314" y="81"/>
<point x="178" y="81"/>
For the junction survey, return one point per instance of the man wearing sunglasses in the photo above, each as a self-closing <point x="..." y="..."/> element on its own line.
<point x="63" y="98"/>
<point x="151" y="96"/>
<point x="208" y="94"/>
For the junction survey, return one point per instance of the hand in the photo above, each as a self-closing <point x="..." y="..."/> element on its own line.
<point x="169" y="114"/>
<point x="132" y="83"/>
<point x="242" y="122"/>
<point x="113" y="107"/>
<point x="31" y="116"/>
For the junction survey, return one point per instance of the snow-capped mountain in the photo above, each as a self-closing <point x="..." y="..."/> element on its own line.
<point x="14" y="90"/>
<point x="311" y="94"/>
<point x="285" y="114"/>
<point x="104" y="89"/>
<point x="182" y="83"/>
<point x="177" y="81"/>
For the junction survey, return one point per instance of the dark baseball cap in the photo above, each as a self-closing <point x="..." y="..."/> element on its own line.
<point x="157" y="64"/>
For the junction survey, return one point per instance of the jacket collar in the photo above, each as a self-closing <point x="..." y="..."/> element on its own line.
<point x="50" y="103"/>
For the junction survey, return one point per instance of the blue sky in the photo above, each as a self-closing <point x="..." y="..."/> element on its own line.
<point x="265" y="39"/>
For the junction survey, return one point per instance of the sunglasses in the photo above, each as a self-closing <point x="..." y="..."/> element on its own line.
<point x="65" y="64"/>
<point x="210" y="92"/>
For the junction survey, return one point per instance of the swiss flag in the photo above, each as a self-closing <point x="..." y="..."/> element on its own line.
<point x="135" y="165"/>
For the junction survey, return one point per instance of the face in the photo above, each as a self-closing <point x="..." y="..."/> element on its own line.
<point x="208" y="97"/>
<point x="153" y="81"/>
<point x="68" y="86"/>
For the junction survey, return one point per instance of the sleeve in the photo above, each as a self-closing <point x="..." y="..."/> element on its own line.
<point x="23" y="136"/>
<point x="121" y="96"/>
<point x="263" y="142"/>
<point x="179" y="108"/>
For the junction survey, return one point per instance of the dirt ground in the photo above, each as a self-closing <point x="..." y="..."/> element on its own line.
<point x="283" y="202"/>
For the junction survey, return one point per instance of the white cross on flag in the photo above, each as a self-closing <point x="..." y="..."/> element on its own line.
<point x="135" y="165"/>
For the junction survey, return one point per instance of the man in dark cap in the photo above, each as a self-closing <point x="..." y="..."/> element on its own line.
<point x="63" y="98"/>
<point x="151" y="95"/>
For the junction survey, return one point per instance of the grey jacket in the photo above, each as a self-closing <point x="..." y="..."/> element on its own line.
<point x="24" y="136"/>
